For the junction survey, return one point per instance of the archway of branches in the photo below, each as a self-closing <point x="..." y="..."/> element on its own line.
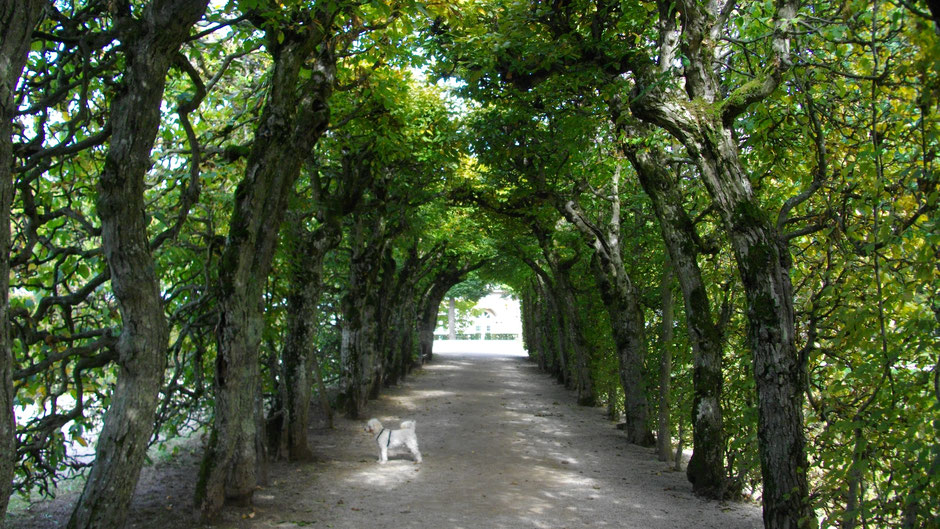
<point x="719" y="221"/>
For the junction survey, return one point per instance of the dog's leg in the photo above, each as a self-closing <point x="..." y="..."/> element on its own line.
<point x="413" y="446"/>
<point x="383" y="454"/>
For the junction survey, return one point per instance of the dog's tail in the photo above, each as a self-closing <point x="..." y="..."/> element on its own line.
<point x="408" y="425"/>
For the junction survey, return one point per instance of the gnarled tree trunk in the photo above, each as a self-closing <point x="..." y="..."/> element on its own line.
<point x="150" y="44"/>
<point x="764" y="264"/>
<point x="551" y="331"/>
<point x="706" y="469"/>
<point x="17" y="18"/>
<point x="403" y="314"/>
<point x="621" y="299"/>
<point x="574" y="336"/>
<point x="760" y="252"/>
<point x="530" y="336"/>
<point x="702" y="119"/>
<point x="306" y="270"/>
<point x="294" y="116"/>
<point x="663" y="431"/>
<point x="559" y="294"/>
<point x="361" y="364"/>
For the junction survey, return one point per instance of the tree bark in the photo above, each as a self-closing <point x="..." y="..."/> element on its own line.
<point x="628" y="327"/>
<point x="563" y="314"/>
<point x="309" y="248"/>
<point x="621" y="299"/>
<point x="150" y="47"/>
<point x="552" y="331"/>
<point x="706" y="470"/>
<point x="295" y="115"/>
<point x="532" y="336"/>
<point x="763" y="262"/>
<point x="574" y="337"/>
<point x="404" y="315"/>
<point x="17" y="18"/>
<point x="361" y="364"/>
<point x="702" y="119"/>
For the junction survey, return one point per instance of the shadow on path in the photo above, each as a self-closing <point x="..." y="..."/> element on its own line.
<point x="504" y="447"/>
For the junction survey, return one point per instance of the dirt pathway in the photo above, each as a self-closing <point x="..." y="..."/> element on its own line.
<point x="504" y="447"/>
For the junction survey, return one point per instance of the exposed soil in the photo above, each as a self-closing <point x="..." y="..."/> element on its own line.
<point x="504" y="446"/>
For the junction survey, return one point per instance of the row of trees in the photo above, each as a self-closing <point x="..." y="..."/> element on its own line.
<point x="777" y="162"/>
<point x="214" y="209"/>
<point x="211" y="208"/>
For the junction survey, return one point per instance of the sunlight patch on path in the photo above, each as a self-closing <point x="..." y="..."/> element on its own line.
<point x="504" y="447"/>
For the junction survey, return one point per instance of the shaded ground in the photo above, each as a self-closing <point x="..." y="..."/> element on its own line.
<point x="503" y="446"/>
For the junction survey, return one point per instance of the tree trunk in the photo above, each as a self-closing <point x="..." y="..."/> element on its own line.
<point x="702" y="119"/>
<point x="17" y="18"/>
<point x="135" y="117"/>
<point x="321" y="389"/>
<point x="386" y="335"/>
<point x="548" y="337"/>
<point x="361" y="365"/>
<point x="292" y="121"/>
<point x="575" y="340"/>
<point x="621" y="299"/>
<point x="530" y="337"/>
<point x="306" y="270"/>
<point x="451" y="319"/>
<point x="402" y="327"/>
<point x="628" y="327"/>
<point x="403" y="322"/>
<point x="563" y="311"/>
<point x="553" y="331"/>
<point x="764" y="264"/>
<point x="706" y="470"/>
<point x="663" y="433"/>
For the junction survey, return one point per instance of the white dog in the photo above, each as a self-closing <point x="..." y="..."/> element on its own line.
<point x="388" y="439"/>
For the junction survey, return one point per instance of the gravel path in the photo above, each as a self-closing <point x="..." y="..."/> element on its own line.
<point x="504" y="447"/>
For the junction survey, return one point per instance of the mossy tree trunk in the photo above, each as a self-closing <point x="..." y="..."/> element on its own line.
<point x="550" y="327"/>
<point x="295" y="114"/>
<point x="334" y="199"/>
<point x="706" y="469"/>
<point x="530" y="335"/>
<point x="663" y="430"/>
<point x="308" y="250"/>
<point x="17" y="18"/>
<point x="361" y="364"/>
<point x="559" y="293"/>
<point x="702" y="119"/>
<point x="151" y="44"/>
<point x="574" y="336"/>
<point x="621" y="298"/>
<point x="401" y="325"/>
